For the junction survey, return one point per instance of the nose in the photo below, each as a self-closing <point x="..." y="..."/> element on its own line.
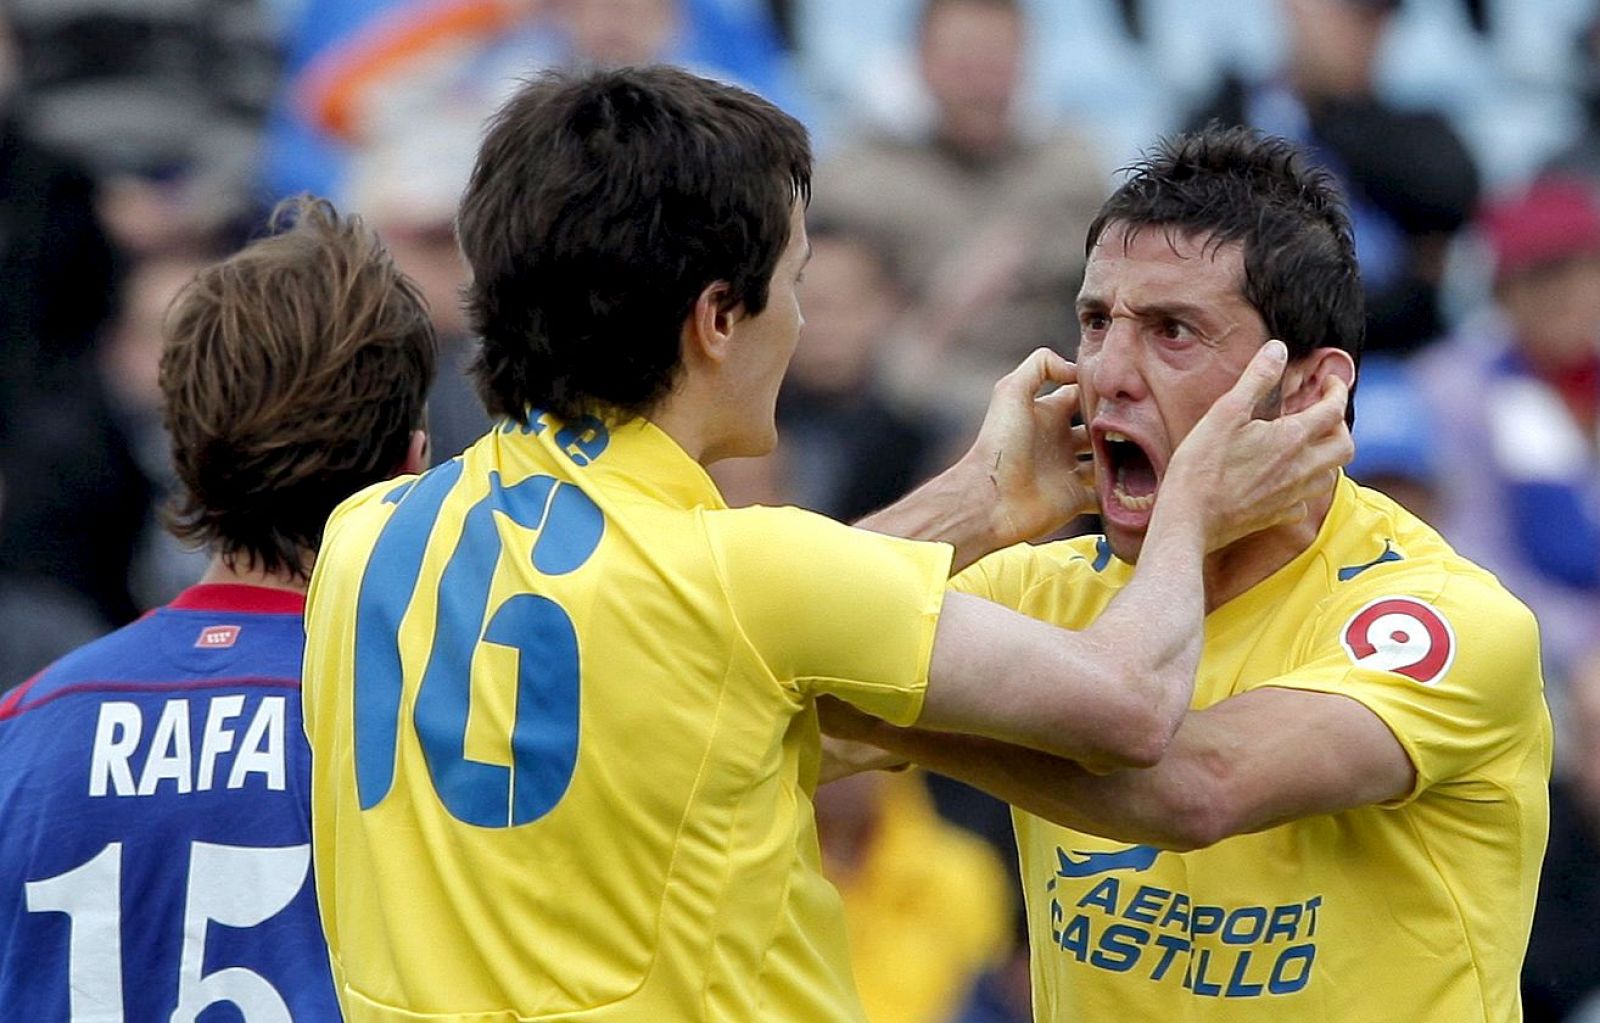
<point x="1115" y="371"/>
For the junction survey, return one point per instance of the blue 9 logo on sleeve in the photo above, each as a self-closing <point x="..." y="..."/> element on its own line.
<point x="544" y="733"/>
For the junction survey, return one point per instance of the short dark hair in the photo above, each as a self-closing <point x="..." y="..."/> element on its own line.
<point x="1240" y="185"/>
<point x="293" y="374"/>
<point x="602" y="205"/>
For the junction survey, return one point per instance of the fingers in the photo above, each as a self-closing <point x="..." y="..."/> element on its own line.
<point x="1327" y="412"/>
<point x="1330" y="450"/>
<point x="1322" y="431"/>
<point x="1061" y="403"/>
<point x="1080" y="440"/>
<point x="1260" y="379"/>
<point x="1042" y="367"/>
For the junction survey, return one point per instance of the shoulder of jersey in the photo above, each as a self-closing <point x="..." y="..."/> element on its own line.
<point x="1405" y="549"/>
<point x="105" y="659"/>
<point x="1088" y="553"/>
<point x="1055" y="561"/>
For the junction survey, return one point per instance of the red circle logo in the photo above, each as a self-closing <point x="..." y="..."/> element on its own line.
<point x="1402" y="635"/>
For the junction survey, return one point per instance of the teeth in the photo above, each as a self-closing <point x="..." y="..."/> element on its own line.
<point x="1128" y="501"/>
<point x="1143" y="502"/>
<point x="1120" y="438"/>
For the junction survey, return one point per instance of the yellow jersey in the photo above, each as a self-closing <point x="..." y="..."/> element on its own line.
<point x="560" y="705"/>
<point x="928" y="909"/>
<point x="1408" y="912"/>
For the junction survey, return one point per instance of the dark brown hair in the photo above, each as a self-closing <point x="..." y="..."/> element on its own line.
<point x="293" y="374"/>
<point x="1228" y="185"/>
<point x="601" y="206"/>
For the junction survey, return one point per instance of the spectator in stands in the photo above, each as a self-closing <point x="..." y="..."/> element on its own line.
<point x="847" y="449"/>
<point x="1581" y="159"/>
<point x="985" y="217"/>
<point x="56" y="263"/>
<point x="338" y="49"/>
<point x="1518" y="395"/>
<point x="1410" y="180"/>
<point x="130" y="366"/>
<point x="70" y="481"/>
<point x="927" y="906"/>
<point x="1396" y="438"/>
<point x="161" y="99"/>
<point x="43" y="621"/>
<point x="441" y="67"/>
<point x="407" y="186"/>
<point x="1563" y="965"/>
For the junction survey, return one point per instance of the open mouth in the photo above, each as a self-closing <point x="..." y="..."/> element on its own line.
<point x="1132" y="473"/>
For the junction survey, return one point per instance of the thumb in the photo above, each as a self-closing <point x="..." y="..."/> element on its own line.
<point x="1253" y="393"/>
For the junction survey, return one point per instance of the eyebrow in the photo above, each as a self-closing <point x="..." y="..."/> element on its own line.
<point x="1154" y="310"/>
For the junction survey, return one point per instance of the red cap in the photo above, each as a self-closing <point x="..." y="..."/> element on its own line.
<point x="1554" y="219"/>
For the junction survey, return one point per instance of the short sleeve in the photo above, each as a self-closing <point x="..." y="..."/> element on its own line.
<point x="834" y="610"/>
<point x="1448" y="661"/>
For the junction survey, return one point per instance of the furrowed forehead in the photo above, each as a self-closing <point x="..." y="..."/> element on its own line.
<point x="1161" y="258"/>
<point x="1181" y="240"/>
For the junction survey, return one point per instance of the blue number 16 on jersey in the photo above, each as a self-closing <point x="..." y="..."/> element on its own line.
<point x="544" y="734"/>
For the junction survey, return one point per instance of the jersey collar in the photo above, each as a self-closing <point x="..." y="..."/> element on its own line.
<point x="637" y="453"/>
<point x="241" y="599"/>
<point x="652" y="456"/>
<point x="1271" y="590"/>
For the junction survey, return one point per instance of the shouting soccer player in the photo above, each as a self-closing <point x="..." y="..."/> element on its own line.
<point x="1350" y="823"/>
<point x="561" y="698"/>
<point x="154" y="857"/>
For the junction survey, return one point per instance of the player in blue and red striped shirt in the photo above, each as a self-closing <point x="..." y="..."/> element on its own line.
<point x="154" y="857"/>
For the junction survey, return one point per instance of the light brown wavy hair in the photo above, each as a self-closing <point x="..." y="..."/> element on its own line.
<point x="293" y="374"/>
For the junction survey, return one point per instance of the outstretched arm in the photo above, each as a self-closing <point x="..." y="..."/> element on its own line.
<point x="1251" y="762"/>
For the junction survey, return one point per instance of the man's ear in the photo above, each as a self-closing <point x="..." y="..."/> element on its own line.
<point x="708" y="330"/>
<point x="417" y="453"/>
<point x="1302" y="381"/>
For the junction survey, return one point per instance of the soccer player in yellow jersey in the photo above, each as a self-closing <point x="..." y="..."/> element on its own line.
<point x="1348" y="825"/>
<point x="561" y="700"/>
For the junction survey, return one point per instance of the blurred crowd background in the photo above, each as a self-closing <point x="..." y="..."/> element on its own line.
<point x="963" y="146"/>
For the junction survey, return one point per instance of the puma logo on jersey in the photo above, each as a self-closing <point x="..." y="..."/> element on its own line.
<point x="1389" y="554"/>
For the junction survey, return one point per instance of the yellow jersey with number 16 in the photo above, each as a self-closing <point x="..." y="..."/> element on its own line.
<point x="560" y="703"/>
<point x="1411" y="912"/>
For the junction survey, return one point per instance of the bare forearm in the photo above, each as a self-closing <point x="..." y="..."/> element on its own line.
<point x="957" y="507"/>
<point x="842" y="758"/>
<point x="1250" y="762"/>
<point x="1126" y="805"/>
<point x="1153" y="629"/>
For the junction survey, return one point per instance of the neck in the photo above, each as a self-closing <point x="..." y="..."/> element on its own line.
<point x="687" y="431"/>
<point x="1241" y="565"/>
<point x="219" y="572"/>
<point x="689" y="416"/>
<point x="972" y="142"/>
